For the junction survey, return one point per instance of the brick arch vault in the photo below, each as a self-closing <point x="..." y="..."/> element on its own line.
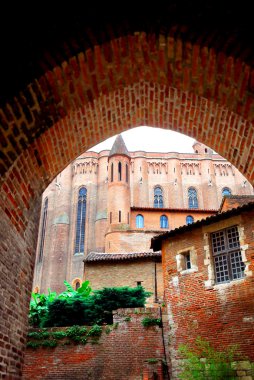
<point x="195" y="80"/>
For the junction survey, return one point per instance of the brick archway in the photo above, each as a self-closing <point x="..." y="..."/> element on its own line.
<point x="140" y="78"/>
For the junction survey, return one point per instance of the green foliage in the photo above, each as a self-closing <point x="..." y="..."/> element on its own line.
<point x="152" y="360"/>
<point x="39" y="307"/>
<point x="127" y="319"/>
<point x="58" y="334"/>
<point x="39" y="335"/>
<point x="108" y="330"/>
<point x="76" y="333"/>
<point x="65" y="312"/>
<point x="108" y="299"/>
<point x="147" y="321"/>
<point x="33" y="344"/>
<point x="79" y="307"/>
<point x="39" y="303"/>
<point x="83" y="291"/>
<point x="82" y="308"/>
<point x="203" y="362"/>
<point x="95" y="331"/>
<point x="49" y="343"/>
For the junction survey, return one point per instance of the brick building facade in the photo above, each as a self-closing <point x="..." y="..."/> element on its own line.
<point x="208" y="280"/>
<point x="114" y="202"/>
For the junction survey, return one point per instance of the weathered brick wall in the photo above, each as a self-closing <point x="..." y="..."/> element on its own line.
<point x="119" y="355"/>
<point x="16" y="268"/>
<point x="222" y="313"/>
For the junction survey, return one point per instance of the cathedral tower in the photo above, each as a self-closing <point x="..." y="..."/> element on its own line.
<point x="118" y="194"/>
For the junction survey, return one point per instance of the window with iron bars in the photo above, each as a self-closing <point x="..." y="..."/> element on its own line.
<point x="228" y="264"/>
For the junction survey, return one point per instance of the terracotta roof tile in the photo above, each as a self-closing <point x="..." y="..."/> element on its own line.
<point x="234" y="201"/>
<point x="96" y="256"/>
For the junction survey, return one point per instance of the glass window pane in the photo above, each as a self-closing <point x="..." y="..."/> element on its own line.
<point x="237" y="265"/>
<point x="189" y="219"/>
<point x="192" y="198"/>
<point x="221" y="268"/>
<point x="81" y="221"/>
<point x="163" y="221"/>
<point x="139" y="221"/>
<point x="226" y="191"/>
<point x="158" y="198"/>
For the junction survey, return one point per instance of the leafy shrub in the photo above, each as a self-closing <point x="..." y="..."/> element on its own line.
<point x="152" y="360"/>
<point x="49" y="343"/>
<point x="39" y="307"/>
<point x="64" y="312"/>
<point x="203" y="362"/>
<point x="32" y="344"/>
<point x="38" y="334"/>
<point x="110" y="299"/>
<point x="58" y="334"/>
<point x="82" y="308"/>
<point x="40" y="302"/>
<point x="147" y="321"/>
<point x="76" y="333"/>
<point x="95" y="331"/>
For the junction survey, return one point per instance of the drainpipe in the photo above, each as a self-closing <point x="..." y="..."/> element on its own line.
<point x="155" y="283"/>
<point x="164" y="348"/>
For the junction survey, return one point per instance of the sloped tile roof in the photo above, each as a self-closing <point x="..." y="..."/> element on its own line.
<point x="234" y="201"/>
<point x="97" y="256"/>
<point x="190" y="210"/>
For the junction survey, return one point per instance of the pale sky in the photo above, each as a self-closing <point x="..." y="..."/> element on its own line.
<point x="151" y="140"/>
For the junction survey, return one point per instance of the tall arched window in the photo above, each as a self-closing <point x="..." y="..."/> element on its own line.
<point x="164" y="221"/>
<point x="43" y="228"/>
<point x="189" y="219"/>
<point x="81" y="221"/>
<point x="127" y="173"/>
<point x="119" y="171"/>
<point x="158" y="198"/>
<point x="139" y="221"/>
<point x="226" y="191"/>
<point x="192" y="198"/>
<point x="112" y="172"/>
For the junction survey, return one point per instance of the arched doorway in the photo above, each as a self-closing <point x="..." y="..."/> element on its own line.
<point x="168" y="68"/>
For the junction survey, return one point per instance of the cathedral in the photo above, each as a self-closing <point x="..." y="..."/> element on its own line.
<point x="99" y="215"/>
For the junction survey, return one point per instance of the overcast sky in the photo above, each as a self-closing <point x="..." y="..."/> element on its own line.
<point x="151" y="140"/>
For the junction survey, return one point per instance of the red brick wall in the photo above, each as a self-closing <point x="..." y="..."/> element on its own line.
<point x="221" y="313"/>
<point x="119" y="355"/>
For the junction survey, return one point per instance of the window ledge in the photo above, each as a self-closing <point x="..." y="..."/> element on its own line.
<point x="188" y="271"/>
<point x="228" y="283"/>
<point x="78" y="254"/>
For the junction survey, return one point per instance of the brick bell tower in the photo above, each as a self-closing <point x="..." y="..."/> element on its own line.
<point x="118" y="194"/>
